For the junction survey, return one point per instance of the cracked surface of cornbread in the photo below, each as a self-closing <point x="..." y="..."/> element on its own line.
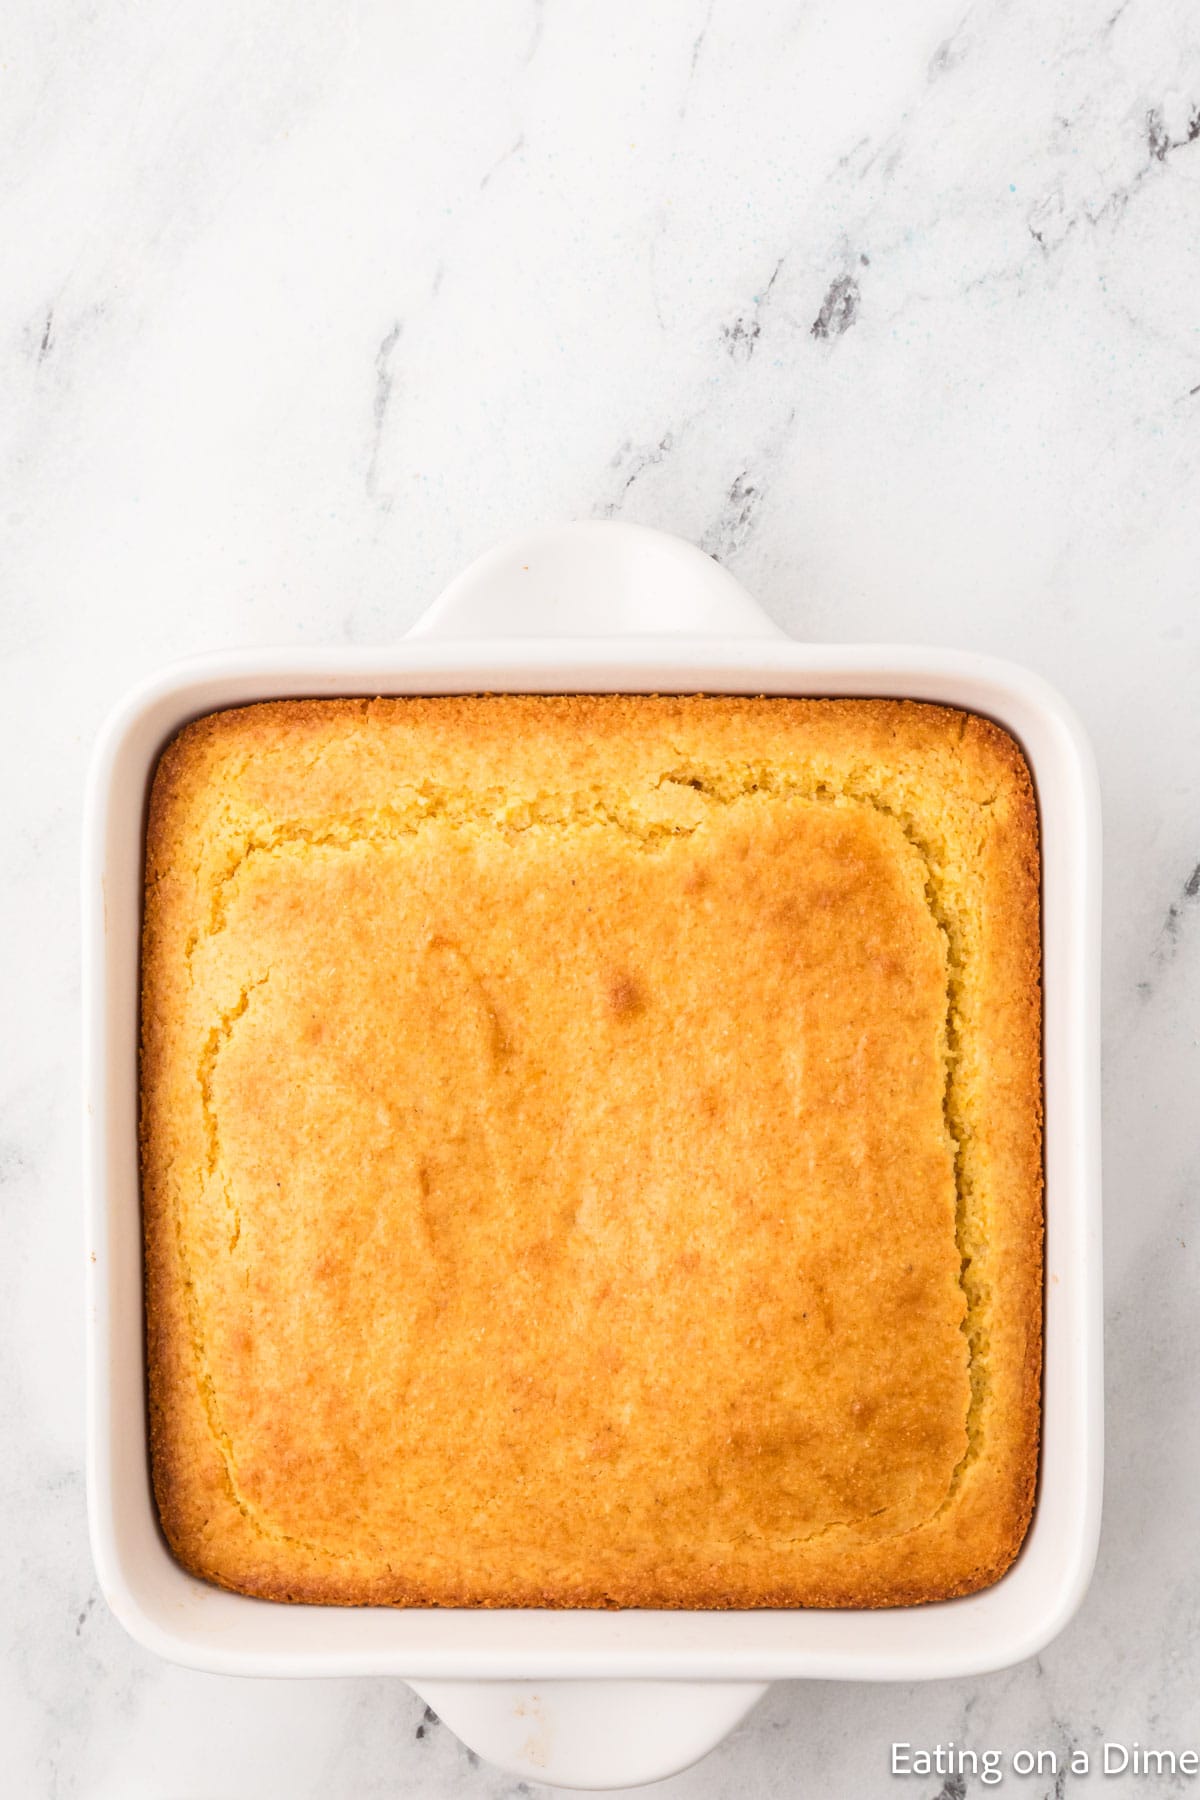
<point x="592" y="1150"/>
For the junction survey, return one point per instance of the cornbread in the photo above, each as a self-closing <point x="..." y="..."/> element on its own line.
<point x="591" y="1151"/>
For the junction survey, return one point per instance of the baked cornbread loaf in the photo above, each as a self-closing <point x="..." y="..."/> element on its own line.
<point x="591" y="1151"/>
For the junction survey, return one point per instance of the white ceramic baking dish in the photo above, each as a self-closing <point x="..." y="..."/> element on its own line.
<point x="595" y="1699"/>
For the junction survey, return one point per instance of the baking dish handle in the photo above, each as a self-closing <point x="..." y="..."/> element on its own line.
<point x="591" y="1734"/>
<point x="595" y="578"/>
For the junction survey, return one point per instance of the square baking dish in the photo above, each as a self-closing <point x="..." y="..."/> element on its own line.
<point x="589" y="1698"/>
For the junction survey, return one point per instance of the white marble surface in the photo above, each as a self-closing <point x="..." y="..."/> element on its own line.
<point x="893" y="307"/>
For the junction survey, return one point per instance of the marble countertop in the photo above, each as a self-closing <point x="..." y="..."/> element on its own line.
<point x="892" y="308"/>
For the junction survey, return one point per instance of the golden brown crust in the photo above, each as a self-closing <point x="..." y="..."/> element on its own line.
<point x="592" y="1151"/>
